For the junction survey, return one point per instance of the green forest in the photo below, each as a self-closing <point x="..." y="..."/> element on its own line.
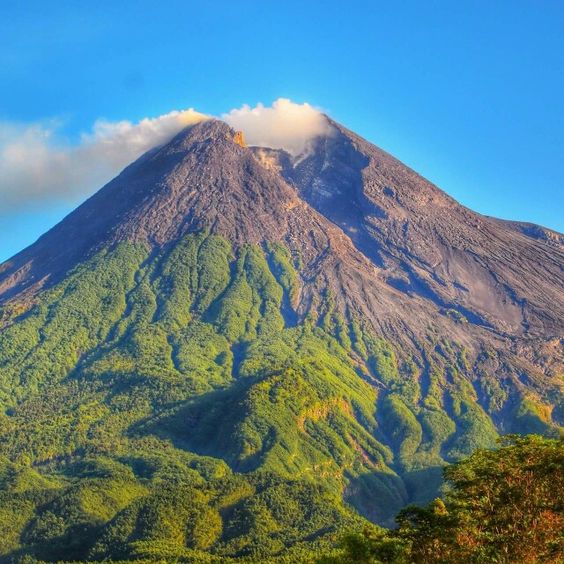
<point x="169" y="406"/>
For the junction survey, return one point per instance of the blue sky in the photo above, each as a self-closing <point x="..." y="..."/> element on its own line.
<point x="469" y="93"/>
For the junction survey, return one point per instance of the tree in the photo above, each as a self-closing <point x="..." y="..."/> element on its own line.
<point x="502" y="506"/>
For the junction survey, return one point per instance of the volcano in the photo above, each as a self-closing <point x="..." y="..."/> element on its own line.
<point x="236" y="351"/>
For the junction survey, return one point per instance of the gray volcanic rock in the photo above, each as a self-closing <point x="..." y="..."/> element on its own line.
<point x="507" y="276"/>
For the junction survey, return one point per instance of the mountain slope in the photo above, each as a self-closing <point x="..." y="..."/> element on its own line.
<point x="234" y="351"/>
<point x="503" y="277"/>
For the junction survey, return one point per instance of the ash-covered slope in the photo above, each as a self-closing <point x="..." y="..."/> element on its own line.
<point x="503" y="275"/>
<point x="234" y="351"/>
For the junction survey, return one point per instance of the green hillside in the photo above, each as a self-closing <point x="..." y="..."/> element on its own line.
<point x="169" y="405"/>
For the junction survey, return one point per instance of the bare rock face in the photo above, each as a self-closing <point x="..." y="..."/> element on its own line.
<point x="505" y="276"/>
<point x="388" y="246"/>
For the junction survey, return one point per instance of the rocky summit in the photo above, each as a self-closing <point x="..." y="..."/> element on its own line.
<point x="233" y="351"/>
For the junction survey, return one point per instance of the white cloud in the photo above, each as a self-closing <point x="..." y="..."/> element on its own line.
<point x="35" y="165"/>
<point x="284" y="125"/>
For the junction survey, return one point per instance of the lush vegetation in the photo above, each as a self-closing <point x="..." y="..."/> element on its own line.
<point x="502" y="506"/>
<point x="170" y="406"/>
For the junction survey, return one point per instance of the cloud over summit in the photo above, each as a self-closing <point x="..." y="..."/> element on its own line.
<point x="284" y="125"/>
<point x="36" y="165"/>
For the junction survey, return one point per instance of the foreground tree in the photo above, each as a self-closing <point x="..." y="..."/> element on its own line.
<point x="502" y="506"/>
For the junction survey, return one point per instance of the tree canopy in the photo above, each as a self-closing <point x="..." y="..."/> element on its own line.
<point x="502" y="506"/>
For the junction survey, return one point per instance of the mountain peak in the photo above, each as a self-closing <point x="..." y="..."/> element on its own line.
<point x="206" y="131"/>
<point x="200" y="138"/>
<point x="202" y="179"/>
